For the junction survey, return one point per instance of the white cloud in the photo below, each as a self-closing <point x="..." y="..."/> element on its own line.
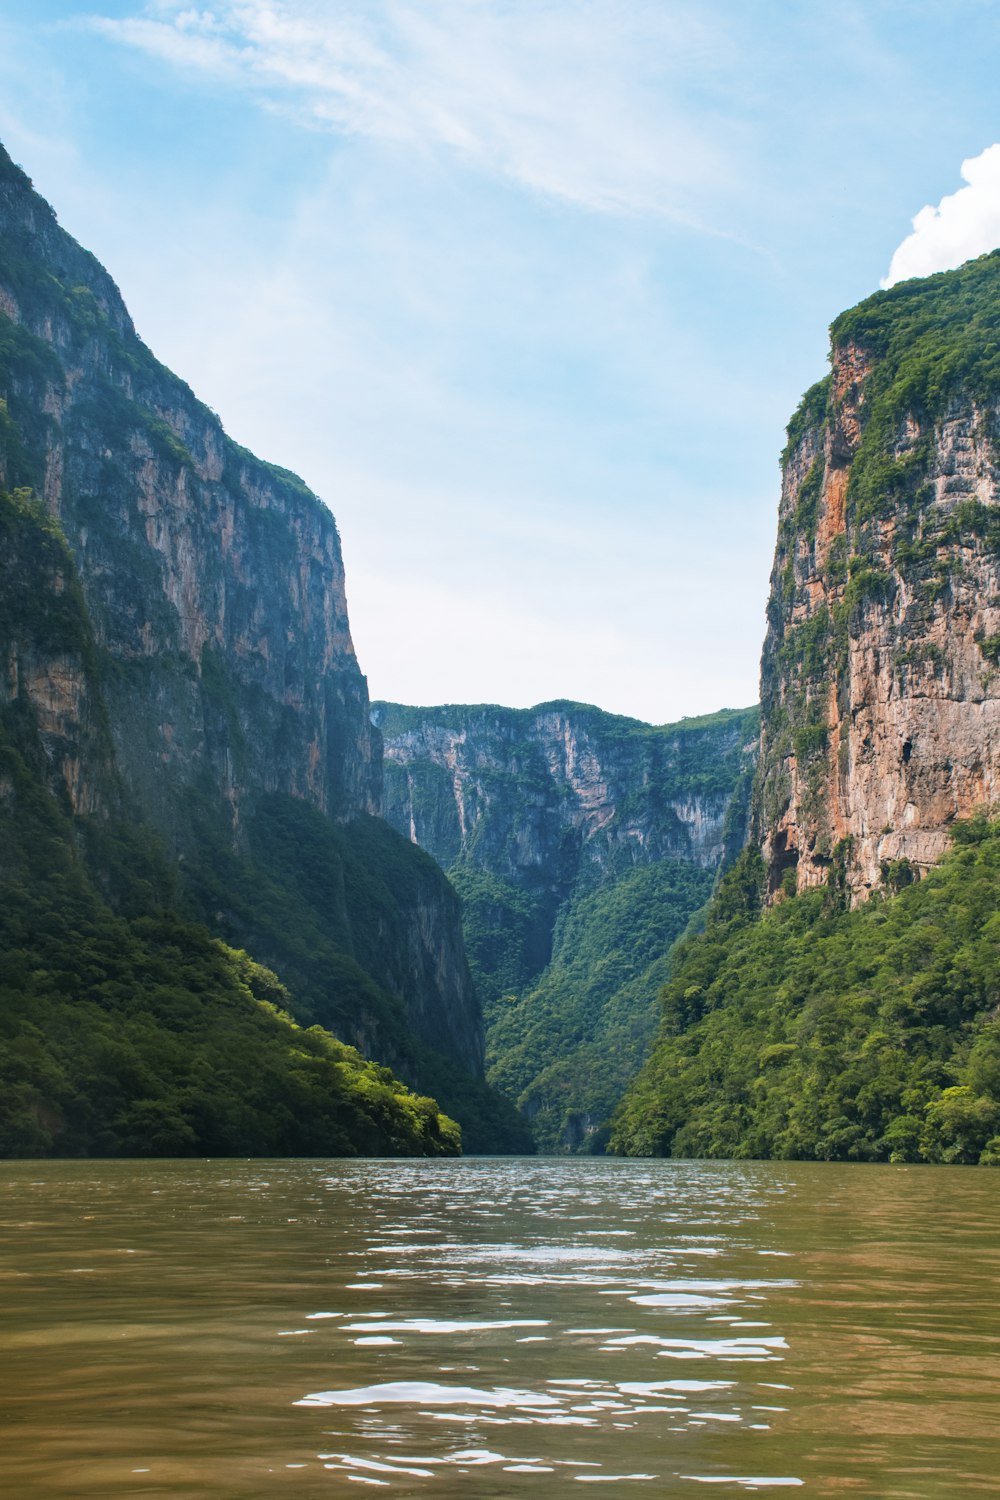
<point x="963" y="225"/>
<point x="583" y="100"/>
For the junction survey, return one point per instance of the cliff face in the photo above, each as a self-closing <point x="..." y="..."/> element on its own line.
<point x="805" y="1021"/>
<point x="198" y="561"/>
<point x="48" y="660"/>
<point x="221" y="702"/>
<point x="546" y="795"/>
<point x="580" y="843"/>
<point x="879" y="685"/>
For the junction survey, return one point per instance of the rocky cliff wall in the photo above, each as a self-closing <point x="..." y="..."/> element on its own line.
<point x="222" y="702"/>
<point x="214" y="582"/>
<point x="543" y="796"/>
<point x="879" y="680"/>
<point x="581" y="843"/>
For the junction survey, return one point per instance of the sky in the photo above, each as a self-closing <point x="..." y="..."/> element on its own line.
<point x="526" y="290"/>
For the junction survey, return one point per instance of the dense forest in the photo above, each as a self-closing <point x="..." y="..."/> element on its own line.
<point x="566" y="1047"/>
<point x="818" y="1032"/>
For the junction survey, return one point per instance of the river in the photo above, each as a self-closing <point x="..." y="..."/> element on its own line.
<point x="495" y="1328"/>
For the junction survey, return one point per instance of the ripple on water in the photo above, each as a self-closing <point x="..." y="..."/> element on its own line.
<point x="662" y="1278"/>
<point x="444" y="1325"/>
<point x="457" y="1325"/>
<point x="426" y="1393"/>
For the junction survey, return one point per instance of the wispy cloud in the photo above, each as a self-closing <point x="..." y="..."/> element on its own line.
<point x="963" y="224"/>
<point x="587" y="101"/>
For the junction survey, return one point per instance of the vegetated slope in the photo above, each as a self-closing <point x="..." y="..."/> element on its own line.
<point x="581" y="843"/>
<point x="817" y="1032"/>
<point x="569" y="1045"/>
<point x="125" y="1028"/>
<point x="221" y="706"/>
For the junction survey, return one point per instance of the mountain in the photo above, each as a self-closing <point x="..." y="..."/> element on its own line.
<point x="580" y="842"/>
<point x="842" y="1000"/>
<point x="180" y="699"/>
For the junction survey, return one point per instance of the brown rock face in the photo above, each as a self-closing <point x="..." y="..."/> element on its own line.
<point x="197" y="559"/>
<point x="183" y="658"/>
<point x="880" y="688"/>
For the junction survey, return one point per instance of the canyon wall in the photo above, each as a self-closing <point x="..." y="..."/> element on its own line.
<point x="879" y="680"/>
<point x="840" y="1003"/>
<point x="221" y="704"/>
<point x="214" y="580"/>
<point x="581" y="842"/>
<point x="543" y="795"/>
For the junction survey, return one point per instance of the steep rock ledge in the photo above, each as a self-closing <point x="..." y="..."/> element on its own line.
<point x="221" y="703"/>
<point x="879" y="687"/>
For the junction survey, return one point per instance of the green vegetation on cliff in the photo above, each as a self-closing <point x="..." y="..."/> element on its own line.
<point x="318" y="903"/>
<point x="125" y="1027"/>
<point x="814" y="1032"/>
<point x="566" y="1048"/>
<point x="931" y="338"/>
<point x="580" y="843"/>
<point x="144" y="1035"/>
<point x="918" y="353"/>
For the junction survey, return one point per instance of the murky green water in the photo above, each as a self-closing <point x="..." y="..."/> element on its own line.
<point x="497" y="1328"/>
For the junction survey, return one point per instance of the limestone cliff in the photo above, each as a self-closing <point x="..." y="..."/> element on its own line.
<point x="541" y="796"/>
<point x="580" y="843"/>
<point x="806" y="1021"/>
<point x="198" y="560"/>
<point x="879" y="681"/>
<point x="231" y="714"/>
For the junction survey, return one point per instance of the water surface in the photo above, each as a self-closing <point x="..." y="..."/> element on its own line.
<point x="497" y="1328"/>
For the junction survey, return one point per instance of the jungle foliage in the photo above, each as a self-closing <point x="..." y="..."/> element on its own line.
<point x="319" y="903"/>
<point x="817" y="1033"/>
<point x="135" y="1032"/>
<point x="567" y="1047"/>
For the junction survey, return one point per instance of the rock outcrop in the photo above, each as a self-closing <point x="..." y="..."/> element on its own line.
<point x="879" y="681"/>
<point x="221" y="705"/>
<point x="546" y="796"/>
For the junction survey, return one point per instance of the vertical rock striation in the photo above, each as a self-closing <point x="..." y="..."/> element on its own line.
<point x="216" y="698"/>
<point x="540" y="796"/>
<point x="879" y="680"/>
<point x="580" y="842"/>
<point x="214" y="581"/>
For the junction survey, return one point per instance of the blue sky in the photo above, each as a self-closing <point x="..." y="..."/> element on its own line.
<point x="525" y="289"/>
